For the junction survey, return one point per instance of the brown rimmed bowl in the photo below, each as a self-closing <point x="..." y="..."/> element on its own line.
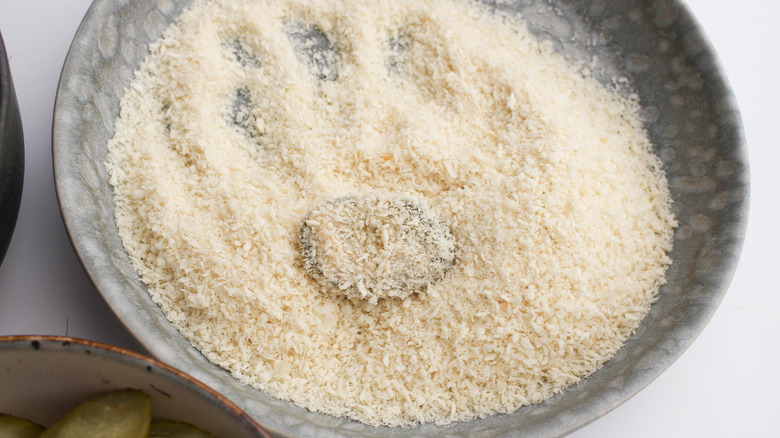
<point x="44" y="377"/>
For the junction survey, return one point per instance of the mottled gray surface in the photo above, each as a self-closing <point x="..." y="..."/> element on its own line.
<point x="689" y="111"/>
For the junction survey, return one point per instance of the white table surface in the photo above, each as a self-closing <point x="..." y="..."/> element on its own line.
<point x="725" y="385"/>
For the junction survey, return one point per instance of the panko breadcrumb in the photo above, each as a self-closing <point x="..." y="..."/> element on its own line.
<point x="247" y="115"/>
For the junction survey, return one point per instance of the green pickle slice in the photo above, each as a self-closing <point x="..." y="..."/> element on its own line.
<point x="119" y="414"/>
<point x="176" y="429"/>
<point x="15" y="427"/>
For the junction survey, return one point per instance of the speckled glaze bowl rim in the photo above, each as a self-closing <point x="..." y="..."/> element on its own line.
<point x="561" y="423"/>
<point x="5" y="84"/>
<point x="67" y="344"/>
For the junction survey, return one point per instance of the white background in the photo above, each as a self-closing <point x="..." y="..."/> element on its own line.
<point x="727" y="384"/>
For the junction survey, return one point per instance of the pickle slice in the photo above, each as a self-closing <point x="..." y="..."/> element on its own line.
<point x="176" y="429"/>
<point x="15" y="427"/>
<point x="119" y="414"/>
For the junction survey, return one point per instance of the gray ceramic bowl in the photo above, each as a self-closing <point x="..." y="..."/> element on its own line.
<point x="688" y="110"/>
<point x="46" y="376"/>
<point x="11" y="154"/>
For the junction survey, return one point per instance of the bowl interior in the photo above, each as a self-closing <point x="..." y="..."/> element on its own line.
<point x="688" y="110"/>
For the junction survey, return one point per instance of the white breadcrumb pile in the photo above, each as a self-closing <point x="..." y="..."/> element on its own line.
<point x="371" y="247"/>
<point x="253" y="121"/>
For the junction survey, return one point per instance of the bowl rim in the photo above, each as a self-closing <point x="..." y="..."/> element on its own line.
<point x="5" y="83"/>
<point x="70" y="344"/>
